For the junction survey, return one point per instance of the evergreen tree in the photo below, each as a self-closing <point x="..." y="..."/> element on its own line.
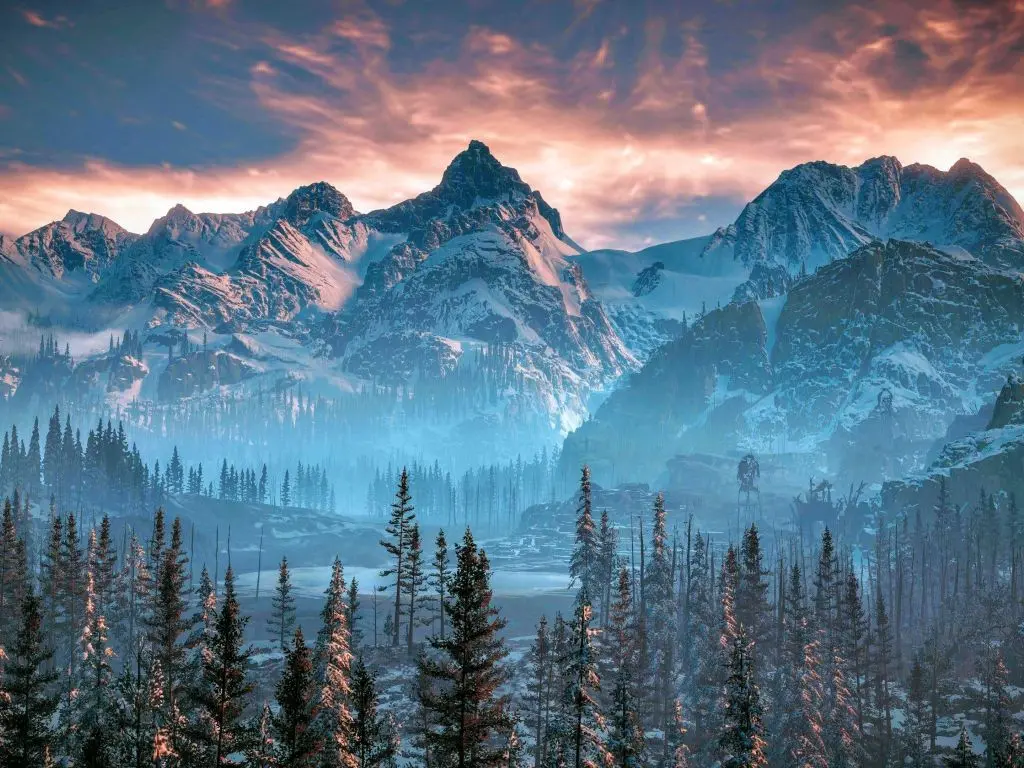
<point x="374" y="738"/>
<point x="742" y="740"/>
<point x="439" y="577"/>
<point x="282" y="613"/>
<point x="607" y="547"/>
<point x="398" y="529"/>
<point x="13" y="579"/>
<point x="262" y="751"/>
<point x="352" y="614"/>
<point x="585" y="561"/>
<point x="538" y="688"/>
<point x="752" y="609"/>
<point x="913" y="731"/>
<point x="27" y="706"/>
<point x="625" y="732"/>
<point x="675" y="739"/>
<point x="660" y="619"/>
<point x="168" y="625"/>
<point x="294" y="736"/>
<point x="224" y="672"/>
<point x="586" y="721"/>
<point x="465" y="669"/>
<point x="963" y="754"/>
<point x="89" y="715"/>
<point x="413" y="582"/>
<point x="332" y="670"/>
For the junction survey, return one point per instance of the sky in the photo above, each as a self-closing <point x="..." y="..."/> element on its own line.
<point x="641" y="121"/>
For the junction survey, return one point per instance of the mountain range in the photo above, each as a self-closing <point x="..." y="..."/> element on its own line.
<point x="765" y="332"/>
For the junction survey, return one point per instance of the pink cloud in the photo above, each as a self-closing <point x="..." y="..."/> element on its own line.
<point x="38" y="20"/>
<point x="604" y="152"/>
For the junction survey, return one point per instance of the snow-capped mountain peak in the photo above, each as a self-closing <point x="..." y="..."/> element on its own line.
<point x="305" y="202"/>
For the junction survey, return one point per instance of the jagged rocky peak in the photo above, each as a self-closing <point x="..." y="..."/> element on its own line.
<point x="474" y="178"/>
<point x="476" y="174"/>
<point x="84" y="222"/>
<point x="305" y="202"/>
<point x="177" y="218"/>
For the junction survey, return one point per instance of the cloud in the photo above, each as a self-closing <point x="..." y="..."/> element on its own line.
<point x="178" y="125"/>
<point x="38" y="20"/>
<point x="611" y="135"/>
<point x="19" y="78"/>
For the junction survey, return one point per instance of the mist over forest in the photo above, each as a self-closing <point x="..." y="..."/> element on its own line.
<point x="434" y="486"/>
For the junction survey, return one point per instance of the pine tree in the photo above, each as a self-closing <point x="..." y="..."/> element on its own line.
<point x="281" y="622"/>
<point x="294" y="736"/>
<point x="913" y="731"/>
<point x="374" y="738"/>
<point x="88" y="715"/>
<point x="262" y="751"/>
<point x="586" y="721"/>
<point x="439" y="577"/>
<point x="167" y="623"/>
<point x="286" y="491"/>
<point x="352" y="614"/>
<point x="585" y="561"/>
<point x="678" y="752"/>
<point x="963" y="754"/>
<point x="26" y="705"/>
<point x="224" y="672"/>
<point x="993" y="675"/>
<point x="797" y="723"/>
<point x="12" y="577"/>
<point x="607" y="547"/>
<point x="538" y="688"/>
<point x="413" y="581"/>
<point x="752" y="609"/>
<point x="465" y="669"/>
<point x="742" y="739"/>
<point x="398" y="529"/>
<point x="70" y="600"/>
<point x="332" y="671"/>
<point x="660" y="619"/>
<point x="881" y="662"/>
<point x="625" y="732"/>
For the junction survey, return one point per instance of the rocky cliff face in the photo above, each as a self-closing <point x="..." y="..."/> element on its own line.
<point x="818" y="212"/>
<point x="932" y="330"/>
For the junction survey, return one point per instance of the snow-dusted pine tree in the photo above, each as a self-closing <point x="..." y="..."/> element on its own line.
<point x="281" y="622"/>
<point x="332" y="665"/>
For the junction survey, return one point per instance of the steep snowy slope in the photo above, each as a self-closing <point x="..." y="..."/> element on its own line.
<point x="920" y="324"/>
<point x="79" y="244"/>
<point x="818" y="212"/>
<point x="812" y="215"/>
<point x="485" y="264"/>
<point x="649" y="294"/>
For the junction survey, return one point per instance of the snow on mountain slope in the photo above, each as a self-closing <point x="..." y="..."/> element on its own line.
<point x="485" y="265"/>
<point x="818" y="212"/>
<point x="80" y="243"/>
<point x="898" y="317"/>
<point x="812" y="215"/>
<point x="649" y="293"/>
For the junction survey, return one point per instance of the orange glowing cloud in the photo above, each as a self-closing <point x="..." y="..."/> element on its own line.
<point x="927" y="85"/>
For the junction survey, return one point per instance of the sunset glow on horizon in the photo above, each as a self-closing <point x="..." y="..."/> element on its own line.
<point x="641" y="123"/>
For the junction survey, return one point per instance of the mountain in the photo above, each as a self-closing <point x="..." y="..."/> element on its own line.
<point x="649" y="294"/>
<point x="467" y="295"/>
<point x="818" y="212"/>
<point x="80" y="243"/>
<point x="897" y="322"/>
<point x="812" y="215"/>
<point x="473" y="303"/>
<point x="484" y="265"/>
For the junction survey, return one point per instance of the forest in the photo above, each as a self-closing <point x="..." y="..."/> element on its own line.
<point x="117" y="653"/>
